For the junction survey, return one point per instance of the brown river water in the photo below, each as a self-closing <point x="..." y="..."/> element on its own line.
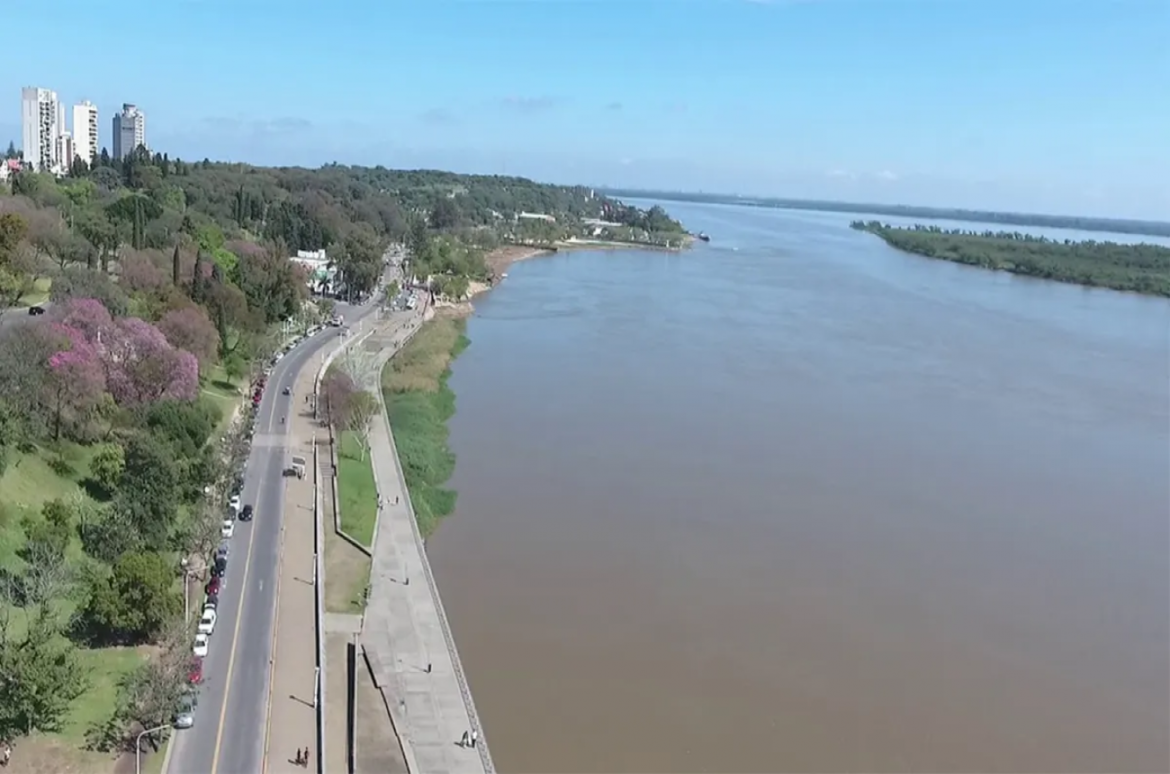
<point x="795" y="501"/>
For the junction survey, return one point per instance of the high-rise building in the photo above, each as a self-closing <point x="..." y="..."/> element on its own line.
<point x="129" y="131"/>
<point x="65" y="151"/>
<point x="85" y="131"/>
<point x="40" y="119"/>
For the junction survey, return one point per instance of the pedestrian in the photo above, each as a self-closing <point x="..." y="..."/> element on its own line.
<point x="474" y="738"/>
<point x="407" y="580"/>
<point x="299" y="760"/>
<point x="306" y="758"/>
<point x="429" y="667"/>
<point x="396" y="499"/>
<point x="465" y="740"/>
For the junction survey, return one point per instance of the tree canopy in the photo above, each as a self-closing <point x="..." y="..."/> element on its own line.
<point x="1141" y="268"/>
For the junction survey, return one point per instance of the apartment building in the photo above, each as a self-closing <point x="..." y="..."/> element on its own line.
<point x="65" y="151"/>
<point x="129" y="130"/>
<point x="85" y="132"/>
<point x="41" y="123"/>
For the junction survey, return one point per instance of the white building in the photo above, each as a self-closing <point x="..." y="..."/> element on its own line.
<point x="129" y="131"/>
<point x="85" y="132"/>
<point x="65" y="151"/>
<point x="40" y="120"/>
<point x="322" y="276"/>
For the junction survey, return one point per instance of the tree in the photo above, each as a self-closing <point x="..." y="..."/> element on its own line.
<point x="148" y="489"/>
<point x="107" y="533"/>
<point x="143" y="367"/>
<point x="363" y="407"/>
<point x="11" y="152"/>
<point x="190" y="329"/>
<point x="106" y="467"/>
<point x="176" y="267"/>
<point x="134" y="604"/>
<point x="40" y="676"/>
<point x="337" y="391"/>
<point x="76" y="376"/>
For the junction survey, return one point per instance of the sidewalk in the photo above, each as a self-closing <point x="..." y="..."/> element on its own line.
<point x="292" y="721"/>
<point x="403" y="631"/>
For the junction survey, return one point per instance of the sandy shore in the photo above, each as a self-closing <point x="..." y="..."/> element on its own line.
<point x="501" y="258"/>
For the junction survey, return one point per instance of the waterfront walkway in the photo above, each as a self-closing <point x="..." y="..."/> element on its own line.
<point x="293" y="719"/>
<point x="405" y="635"/>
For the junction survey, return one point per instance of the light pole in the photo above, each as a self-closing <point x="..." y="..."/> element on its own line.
<point x="138" y="747"/>
<point x="316" y="685"/>
<point x="186" y="594"/>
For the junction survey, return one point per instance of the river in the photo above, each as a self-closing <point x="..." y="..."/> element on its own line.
<point x="795" y="501"/>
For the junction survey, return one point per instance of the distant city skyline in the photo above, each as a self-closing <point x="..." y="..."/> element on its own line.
<point x="47" y="141"/>
<point x="1026" y="106"/>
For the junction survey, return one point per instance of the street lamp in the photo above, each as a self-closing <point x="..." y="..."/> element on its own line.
<point x="186" y="595"/>
<point x="138" y="747"/>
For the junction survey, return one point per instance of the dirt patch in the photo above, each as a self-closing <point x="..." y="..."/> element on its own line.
<point x="501" y="258"/>
<point x="46" y="755"/>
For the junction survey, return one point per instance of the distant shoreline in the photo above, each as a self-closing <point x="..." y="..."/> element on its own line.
<point x="1137" y="227"/>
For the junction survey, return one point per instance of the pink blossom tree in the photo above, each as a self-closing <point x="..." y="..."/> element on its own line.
<point x="147" y="368"/>
<point x="76" y="376"/>
<point x="191" y="329"/>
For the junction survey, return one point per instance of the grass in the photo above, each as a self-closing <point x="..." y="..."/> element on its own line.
<point x="225" y="393"/>
<point x="39" y="293"/>
<point x="347" y="575"/>
<point x="106" y="667"/>
<point x="357" y="494"/>
<point x="419" y="403"/>
<point x="51" y="471"/>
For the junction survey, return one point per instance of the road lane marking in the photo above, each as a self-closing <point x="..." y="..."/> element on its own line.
<point x="227" y="691"/>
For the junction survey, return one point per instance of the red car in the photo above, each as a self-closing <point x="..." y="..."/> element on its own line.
<point x="195" y="671"/>
<point x="212" y="587"/>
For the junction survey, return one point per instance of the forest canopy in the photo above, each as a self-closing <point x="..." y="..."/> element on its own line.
<point x="1140" y="268"/>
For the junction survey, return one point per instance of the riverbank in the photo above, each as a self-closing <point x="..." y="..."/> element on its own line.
<point x="418" y="405"/>
<point x="1134" y="268"/>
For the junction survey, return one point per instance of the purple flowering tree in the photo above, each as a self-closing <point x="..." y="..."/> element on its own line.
<point x="147" y="368"/>
<point x="191" y="329"/>
<point x="76" y="376"/>
<point x="139" y="365"/>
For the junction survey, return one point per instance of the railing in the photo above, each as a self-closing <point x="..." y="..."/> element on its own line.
<point x="481" y="744"/>
<point x="319" y="601"/>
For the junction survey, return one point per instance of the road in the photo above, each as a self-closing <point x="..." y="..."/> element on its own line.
<point x="231" y="715"/>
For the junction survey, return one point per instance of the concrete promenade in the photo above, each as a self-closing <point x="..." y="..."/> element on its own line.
<point x="292" y="718"/>
<point x="405" y="637"/>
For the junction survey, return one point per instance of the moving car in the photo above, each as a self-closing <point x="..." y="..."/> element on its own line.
<point x="201" y="645"/>
<point x="246" y="513"/>
<point x="33" y="311"/>
<point x="229" y="527"/>
<point x="207" y="622"/>
<point x="286" y="391"/>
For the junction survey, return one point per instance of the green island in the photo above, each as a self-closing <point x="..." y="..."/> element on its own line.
<point x="1138" y="268"/>
<point x="141" y="298"/>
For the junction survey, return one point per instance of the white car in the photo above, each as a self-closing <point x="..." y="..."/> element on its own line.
<point x="234" y="503"/>
<point x="229" y="527"/>
<point x="207" y="622"/>
<point x="201" y="642"/>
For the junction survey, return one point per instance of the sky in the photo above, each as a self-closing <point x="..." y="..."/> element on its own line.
<point x="1029" y="105"/>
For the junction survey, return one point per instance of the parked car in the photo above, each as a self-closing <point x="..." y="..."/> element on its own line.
<point x="201" y="644"/>
<point x="234" y="503"/>
<point x="195" y="671"/>
<point x="212" y="587"/>
<point x="212" y="601"/>
<point x="229" y="527"/>
<point x="33" y="311"/>
<point x="224" y="550"/>
<point x="207" y="622"/>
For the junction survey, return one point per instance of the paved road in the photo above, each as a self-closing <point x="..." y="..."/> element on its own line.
<point x="229" y="731"/>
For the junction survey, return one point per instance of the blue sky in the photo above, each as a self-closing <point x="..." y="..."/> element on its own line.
<point x="1025" y="105"/>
